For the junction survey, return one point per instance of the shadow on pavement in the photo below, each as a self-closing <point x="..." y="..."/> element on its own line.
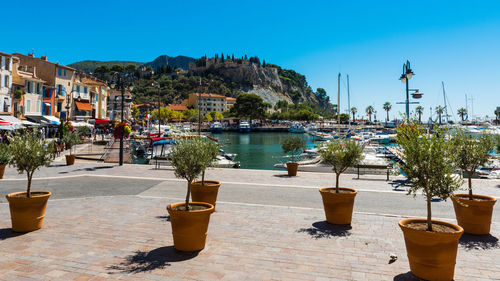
<point x="408" y="276"/>
<point x="165" y="218"/>
<point x="396" y="184"/>
<point x="283" y="176"/>
<point x="147" y="261"/>
<point x="88" y="169"/>
<point x="323" y="229"/>
<point x="6" y="233"/>
<point x="478" y="242"/>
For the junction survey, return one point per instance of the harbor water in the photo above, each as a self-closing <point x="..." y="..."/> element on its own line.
<point x="257" y="150"/>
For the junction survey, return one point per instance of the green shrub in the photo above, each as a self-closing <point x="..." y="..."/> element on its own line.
<point x="5" y="154"/>
<point x="341" y="155"/>
<point x="428" y="161"/>
<point x="70" y="139"/>
<point x="293" y="146"/>
<point x="190" y="158"/>
<point x="471" y="152"/>
<point x="29" y="153"/>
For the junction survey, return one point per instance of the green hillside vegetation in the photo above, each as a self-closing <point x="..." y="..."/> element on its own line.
<point x="89" y="66"/>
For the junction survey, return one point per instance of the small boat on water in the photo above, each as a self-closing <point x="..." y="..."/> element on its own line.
<point x="319" y="136"/>
<point x="311" y="128"/>
<point x="381" y="138"/>
<point x="297" y="128"/>
<point x="216" y="128"/>
<point x="244" y="127"/>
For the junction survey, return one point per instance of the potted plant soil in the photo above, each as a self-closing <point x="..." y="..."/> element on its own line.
<point x="293" y="146"/>
<point x="189" y="220"/>
<point x="428" y="163"/>
<point x="338" y="202"/>
<point x="27" y="208"/>
<point x="70" y="139"/>
<point x="5" y="156"/>
<point x="206" y="190"/>
<point x="473" y="211"/>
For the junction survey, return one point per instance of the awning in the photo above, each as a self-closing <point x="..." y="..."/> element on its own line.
<point x="53" y="119"/>
<point x="101" y="121"/>
<point x="83" y="106"/>
<point x="39" y="119"/>
<point x="16" y="123"/>
<point x="81" y="124"/>
<point x="4" y="123"/>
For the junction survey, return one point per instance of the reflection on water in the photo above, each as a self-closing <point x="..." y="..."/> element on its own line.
<point x="257" y="150"/>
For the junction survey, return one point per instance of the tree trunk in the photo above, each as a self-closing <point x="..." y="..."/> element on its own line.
<point x="353" y="118"/>
<point x="469" y="175"/>
<point x="203" y="178"/>
<point x="369" y="115"/>
<point x="337" y="183"/>
<point x="28" y="189"/>
<point x="187" y="196"/>
<point x="439" y="119"/>
<point x="387" y="115"/>
<point x="419" y="117"/>
<point x="429" y="211"/>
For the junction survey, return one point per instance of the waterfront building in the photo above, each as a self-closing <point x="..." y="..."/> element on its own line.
<point x="115" y="105"/>
<point x="27" y="88"/>
<point x="177" y="107"/>
<point x="98" y="95"/>
<point x="5" y="83"/>
<point x="58" y="83"/>
<point x="210" y="102"/>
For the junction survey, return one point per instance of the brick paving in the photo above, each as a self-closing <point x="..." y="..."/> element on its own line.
<point x="129" y="238"/>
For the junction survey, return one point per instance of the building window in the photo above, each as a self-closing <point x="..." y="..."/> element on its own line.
<point x="65" y="73"/>
<point x="28" y="106"/>
<point x="37" y="88"/>
<point x="38" y="106"/>
<point x="85" y="90"/>
<point x="6" y="79"/>
<point x="59" y="72"/>
<point x="7" y="64"/>
<point x="77" y="88"/>
<point x="59" y="106"/>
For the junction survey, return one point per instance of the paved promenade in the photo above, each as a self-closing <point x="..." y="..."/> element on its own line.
<point x="107" y="222"/>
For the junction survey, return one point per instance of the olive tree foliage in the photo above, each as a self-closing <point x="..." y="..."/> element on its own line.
<point x="190" y="158"/>
<point x="428" y="161"/>
<point x="5" y="154"/>
<point x="293" y="146"/>
<point x="70" y="139"/>
<point x="341" y="155"/>
<point x="29" y="153"/>
<point x="210" y="152"/>
<point x="471" y="152"/>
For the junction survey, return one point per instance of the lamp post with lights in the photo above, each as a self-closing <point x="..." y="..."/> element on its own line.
<point x="122" y="85"/>
<point x="407" y="75"/>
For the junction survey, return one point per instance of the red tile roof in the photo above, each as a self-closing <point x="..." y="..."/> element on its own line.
<point x="177" y="107"/>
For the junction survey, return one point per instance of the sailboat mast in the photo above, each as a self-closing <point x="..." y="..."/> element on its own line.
<point x="338" y="108"/>
<point x="445" y="106"/>
<point x="348" y="100"/>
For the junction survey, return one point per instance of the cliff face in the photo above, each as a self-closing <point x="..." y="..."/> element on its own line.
<point x="265" y="81"/>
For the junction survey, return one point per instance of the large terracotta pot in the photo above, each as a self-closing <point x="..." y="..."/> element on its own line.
<point x="431" y="255"/>
<point x="70" y="159"/>
<point x="292" y="168"/>
<point x="189" y="228"/>
<point x="2" y="170"/>
<point x="205" y="193"/>
<point x="338" y="206"/>
<point x="474" y="216"/>
<point x="27" y="213"/>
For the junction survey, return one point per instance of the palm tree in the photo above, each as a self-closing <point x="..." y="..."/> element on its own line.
<point x="497" y="114"/>
<point x="420" y="111"/>
<point x="369" y="111"/>
<point x="439" y="111"/>
<point x="462" y="112"/>
<point x="387" y="106"/>
<point x="353" y="111"/>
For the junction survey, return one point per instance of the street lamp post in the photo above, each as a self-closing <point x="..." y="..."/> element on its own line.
<point x="407" y="75"/>
<point x="121" y="85"/>
<point x="157" y="84"/>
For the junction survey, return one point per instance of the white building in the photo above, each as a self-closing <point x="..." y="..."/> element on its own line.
<point x="5" y="83"/>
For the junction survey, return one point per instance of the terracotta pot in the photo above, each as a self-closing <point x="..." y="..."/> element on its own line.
<point x="70" y="159"/>
<point x="292" y="168"/>
<point x="205" y="193"/>
<point x="338" y="206"/>
<point x="189" y="228"/>
<point x="431" y="255"/>
<point x="27" y="213"/>
<point x="2" y="170"/>
<point x="475" y="218"/>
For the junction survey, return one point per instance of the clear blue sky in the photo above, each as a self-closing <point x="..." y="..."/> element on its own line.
<point x="457" y="42"/>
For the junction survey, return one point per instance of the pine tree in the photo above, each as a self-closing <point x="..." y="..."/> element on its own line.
<point x="246" y="58"/>
<point x="263" y="63"/>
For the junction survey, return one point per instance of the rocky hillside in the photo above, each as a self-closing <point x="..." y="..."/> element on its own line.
<point x="164" y="60"/>
<point x="271" y="82"/>
<point x="89" y="66"/>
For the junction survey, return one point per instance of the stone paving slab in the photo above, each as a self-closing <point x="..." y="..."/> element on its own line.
<point x="129" y="238"/>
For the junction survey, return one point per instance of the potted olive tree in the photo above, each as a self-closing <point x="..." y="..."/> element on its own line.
<point x="5" y="156"/>
<point x="27" y="208"/>
<point x="293" y="146"/>
<point x="70" y="139"/>
<point x="338" y="201"/>
<point x="473" y="211"/>
<point x="206" y="190"/>
<point x="428" y="161"/>
<point x="189" y="219"/>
